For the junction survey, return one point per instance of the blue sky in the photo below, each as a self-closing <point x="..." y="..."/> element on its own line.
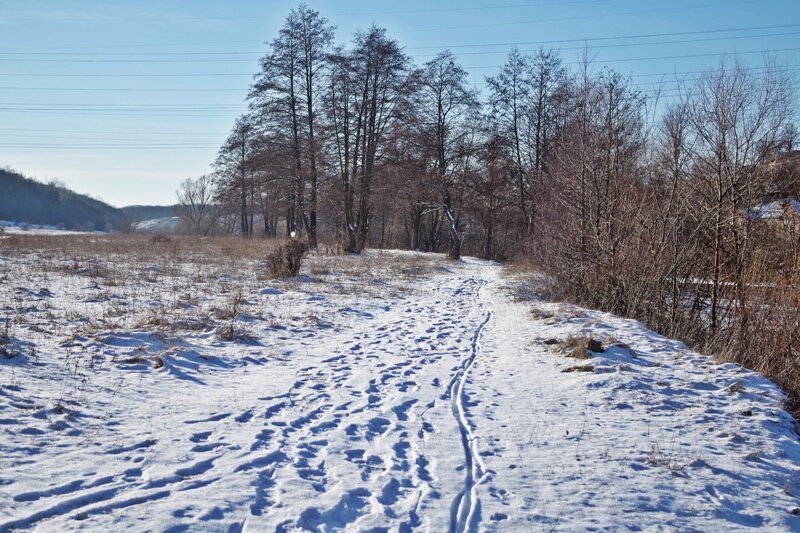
<point x="124" y="100"/>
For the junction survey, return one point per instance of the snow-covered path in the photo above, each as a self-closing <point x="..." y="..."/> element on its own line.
<point x="438" y="408"/>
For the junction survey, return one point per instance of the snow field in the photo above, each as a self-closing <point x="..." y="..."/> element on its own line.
<point x="390" y="392"/>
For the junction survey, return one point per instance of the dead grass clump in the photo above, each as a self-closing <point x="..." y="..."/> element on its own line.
<point x="193" y="323"/>
<point x="287" y="259"/>
<point x="230" y="333"/>
<point x="156" y="317"/>
<point x="417" y="266"/>
<point x="666" y="459"/>
<point x="160" y="238"/>
<point x="581" y="346"/>
<point x="540" y="314"/>
<point x="319" y="271"/>
<point x="227" y="332"/>
<point x="5" y="340"/>
<point x="736" y="386"/>
<point x="231" y="310"/>
<point x="9" y="242"/>
<point x="578" y="368"/>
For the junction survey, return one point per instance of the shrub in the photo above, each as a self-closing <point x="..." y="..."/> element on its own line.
<point x="286" y="260"/>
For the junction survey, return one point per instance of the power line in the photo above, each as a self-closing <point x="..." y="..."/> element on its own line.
<point x="244" y="89"/>
<point x="349" y="14"/>
<point x="206" y="60"/>
<point x="56" y="52"/>
<point x="126" y="75"/>
<point x="110" y="146"/>
<point x="103" y="138"/>
<point x="678" y="73"/>
<point x="182" y="109"/>
<point x="144" y="45"/>
<point x="191" y="107"/>
<point x="103" y="132"/>
<point x="658" y="58"/>
<point x="429" y="10"/>
<point x="120" y="89"/>
<point x="687" y="80"/>
<point x="612" y="37"/>
<point x="118" y="113"/>
<point x="254" y="55"/>
<point x="31" y="51"/>
<point x="581" y="17"/>
<point x="627" y="45"/>
<point x="230" y="74"/>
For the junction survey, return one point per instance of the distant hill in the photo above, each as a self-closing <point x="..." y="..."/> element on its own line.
<point x="26" y="200"/>
<point x="139" y="213"/>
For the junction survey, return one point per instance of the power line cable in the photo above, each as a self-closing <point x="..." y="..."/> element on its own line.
<point x="612" y="37"/>
<point x="327" y="15"/>
<point x="109" y="147"/>
<point x="581" y="17"/>
<point x="658" y="58"/>
<point x="428" y="47"/>
<point x="255" y="57"/>
<point x="788" y="67"/>
<point x="103" y="132"/>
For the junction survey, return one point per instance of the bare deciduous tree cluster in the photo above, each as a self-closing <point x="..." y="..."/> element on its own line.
<point x="634" y="205"/>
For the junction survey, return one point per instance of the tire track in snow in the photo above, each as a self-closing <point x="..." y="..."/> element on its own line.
<point x="464" y="512"/>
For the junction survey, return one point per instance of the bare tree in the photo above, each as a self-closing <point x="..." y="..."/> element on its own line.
<point x="286" y="95"/>
<point x="367" y="86"/>
<point x="526" y="99"/>
<point x="544" y="102"/>
<point x="735" y="112"/>
<point x="509" y="94"/>
<point x="196" y="204"/>
<point x="234" y="171"/>
<point x="446" y="104"/>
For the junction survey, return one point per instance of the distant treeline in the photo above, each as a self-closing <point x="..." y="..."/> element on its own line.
<point x="27" y="200"/>
<point x="138" y="213"/>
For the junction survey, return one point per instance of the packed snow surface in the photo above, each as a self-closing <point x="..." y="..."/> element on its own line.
<point x="439" y="400"/>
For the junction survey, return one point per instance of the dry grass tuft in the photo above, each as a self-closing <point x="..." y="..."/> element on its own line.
<point x="540" y="314"/>
<point x="581" y="346"/>
<point x="578" y="368"/>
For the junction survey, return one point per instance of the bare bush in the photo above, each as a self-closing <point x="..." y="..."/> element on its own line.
<point x="688" y="224"/>
<point x="287" y="259"/>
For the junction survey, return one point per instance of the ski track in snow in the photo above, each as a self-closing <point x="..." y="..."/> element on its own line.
<point x="435" y="408"/>
<point x="466" y="506"/>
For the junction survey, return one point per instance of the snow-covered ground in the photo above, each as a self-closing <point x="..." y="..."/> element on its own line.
<point x="391" y="392"/>
<point x="157" y="225"/>
<point x="10" y="227"/>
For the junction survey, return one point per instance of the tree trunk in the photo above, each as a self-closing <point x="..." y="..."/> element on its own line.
<point x="455" y="236"/>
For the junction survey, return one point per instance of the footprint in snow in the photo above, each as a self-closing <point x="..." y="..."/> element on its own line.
<point x="213" y="418"/>
<point x="244" y="417"/>
<point x="377" y="426"/>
